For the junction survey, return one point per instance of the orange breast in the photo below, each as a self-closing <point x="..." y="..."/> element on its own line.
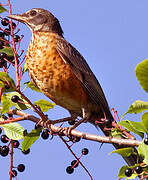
<point x="52" y="75"/>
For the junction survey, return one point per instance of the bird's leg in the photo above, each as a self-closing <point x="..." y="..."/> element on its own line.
<point x="101" y="120"/>
<point x="46" y="123"/>
<point x="86" y="116"/>
<point x="71" y="118"/>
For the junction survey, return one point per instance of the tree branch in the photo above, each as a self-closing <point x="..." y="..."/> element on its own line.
<point x="83" y="135"/>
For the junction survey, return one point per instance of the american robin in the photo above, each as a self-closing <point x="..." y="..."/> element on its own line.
<point x="60" y="71"/>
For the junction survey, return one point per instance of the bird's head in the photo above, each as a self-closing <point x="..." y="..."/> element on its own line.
<point x="40" y="20"/>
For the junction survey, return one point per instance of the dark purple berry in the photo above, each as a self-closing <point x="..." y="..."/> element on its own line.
<point x="10" y="115"/>
<point x="2" y="55"/>
<point x="16" y="143"/>
<point x="14" y="173"/>
<point x="26" y="152"/>
<point x="1" y="44"/>
<point x="84" y="151"/>
<point x="13" y="25"/>
<point x="73" y="163"/>
<point x="16" y="38"/>
<point x="107" y="122"/>
<point x="138" y="169"/>
<point x="2" y="63"/>
<point x="4" y="151"/>
<point x="21" y="167"/>
<point x="76" y="139"/>
<point x="146" y="141"/>
<point x="4" y="138"/>
<point x="7" y="31"/>
<point x="69" y="170"/>
<point x="71" y="122"/>
<point x="45" y="134"/>
<point x="2" y="34"/>
<point x="0" y="130"/>
<point x="0" y="149"/>
<point x="128" y="172"/>
<point x="15" y="99"/>
<point x="4" y="117"/>
<point x="10" y="58"/>
<point x="5" y="22"/>
<point x="7" y="86"/>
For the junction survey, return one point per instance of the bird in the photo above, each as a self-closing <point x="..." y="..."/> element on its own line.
<point x="62" y="73"/>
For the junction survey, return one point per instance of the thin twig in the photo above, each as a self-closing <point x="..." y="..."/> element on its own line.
<point x="11" y="158"/>
<point x="14" y="49"/>
<point x="76" y="157"/>
<point x="40" y="113"/>
<point x="19" y="42"/>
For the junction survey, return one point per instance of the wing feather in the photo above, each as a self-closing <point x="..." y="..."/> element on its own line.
<point x="82" y="71"/>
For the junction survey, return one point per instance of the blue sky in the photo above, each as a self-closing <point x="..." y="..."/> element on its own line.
<point x="113" y="38"/>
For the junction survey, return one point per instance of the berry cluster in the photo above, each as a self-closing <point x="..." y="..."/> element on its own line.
<point x="128" y="172"/>
<point x="138" y="169"/>
<point x="4" y="42"/>
<point x="20" y="168"/>
<point x="75" y="163"/>
<point x="5" y="150"/>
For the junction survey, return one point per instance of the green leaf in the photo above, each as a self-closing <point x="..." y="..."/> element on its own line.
<point x="6" y="79"/>
<point x="8" y="51"/>
<point x="144" y="119"/>
<point x="125" y="152"/>
<point x="2" y="9"/>
<point x="117" y="133"/>
<point x="142" y="74"/>
<point x="7" y="103"/>
<point x="137" y="107"/>
<point x="30" y="138"/>
<point x="13" y="131"/>
<point x="135" y="127"/>
<point x="143" y="151"/>
<point x="44" y="105"/>
<point x="32" y="86"/>
<point x="138" y="126"/>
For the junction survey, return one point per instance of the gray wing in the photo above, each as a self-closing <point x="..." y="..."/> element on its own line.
<point x="82" y="71"/>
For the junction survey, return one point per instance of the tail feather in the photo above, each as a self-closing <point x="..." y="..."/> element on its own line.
<point x="130" y="160"/>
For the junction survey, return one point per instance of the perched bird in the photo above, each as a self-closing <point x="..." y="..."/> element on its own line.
<point x="62" y="73"/>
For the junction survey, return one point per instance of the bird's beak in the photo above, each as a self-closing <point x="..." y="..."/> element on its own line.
<point x="18" y="17"/>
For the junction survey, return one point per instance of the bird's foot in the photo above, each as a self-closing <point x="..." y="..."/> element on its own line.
<point x="45" y="124"/>
<point x="106" y="122"/>
<point x="68" y="132"/>
<point x="100" y="121"/>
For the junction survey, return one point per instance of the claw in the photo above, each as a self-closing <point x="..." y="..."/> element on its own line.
<point x="68" y="131"/>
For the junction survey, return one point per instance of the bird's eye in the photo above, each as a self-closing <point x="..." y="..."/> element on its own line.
<point x="33" y="13"/>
